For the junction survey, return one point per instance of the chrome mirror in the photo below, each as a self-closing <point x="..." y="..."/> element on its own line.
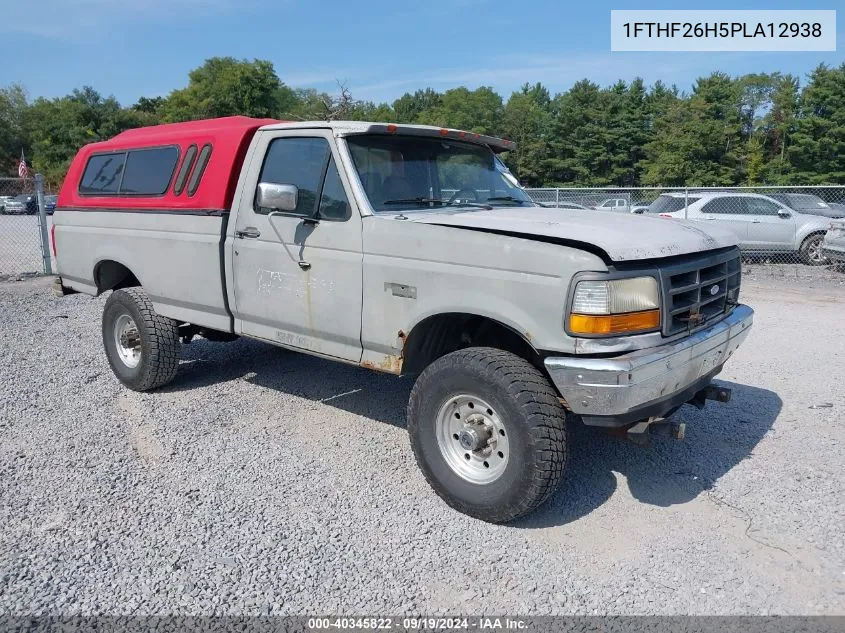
<point x="277" y="197"/>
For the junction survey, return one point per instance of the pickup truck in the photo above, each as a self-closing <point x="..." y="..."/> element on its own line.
<point x="410" y="250"/>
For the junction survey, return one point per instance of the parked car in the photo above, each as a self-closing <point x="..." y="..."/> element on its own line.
<point x="50" y="204"/>
<point x="336" y="239"/>
<point x="613" y="204"/>
<point x="833" y="246"/>
<point x="762" y="225"/>
<point x="640" y="206"/>
<point x="24" y="204"/>
<point x="3" y="201"/>
<point x="809" y="204"/>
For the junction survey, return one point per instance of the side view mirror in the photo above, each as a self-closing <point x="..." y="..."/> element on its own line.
<point x="277" y="197"/>
<point x="783" y="213"/>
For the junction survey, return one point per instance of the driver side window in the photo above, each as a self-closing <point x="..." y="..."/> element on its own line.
<point x="299" y="161"/>
<point x="759" y="206"/>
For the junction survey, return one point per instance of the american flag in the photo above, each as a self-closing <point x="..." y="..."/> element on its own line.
<point x="23" y="170"/>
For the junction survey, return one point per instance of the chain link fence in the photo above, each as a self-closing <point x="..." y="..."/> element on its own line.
<point x="782" y="231"/>
<point x="790" y="232"/>
<point x="22" y="237"/>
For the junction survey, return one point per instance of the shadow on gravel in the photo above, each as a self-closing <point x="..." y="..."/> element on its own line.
<point x="668" y="473"/>
<point x="360" y="391"/>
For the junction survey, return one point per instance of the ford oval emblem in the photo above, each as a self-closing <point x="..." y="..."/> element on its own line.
<point x="714" y="290"/>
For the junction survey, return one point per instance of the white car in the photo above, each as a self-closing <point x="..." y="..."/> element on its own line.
<point x="613" y="204"/>
<point x="763" y="225"/>
<point x="833" y="246"/>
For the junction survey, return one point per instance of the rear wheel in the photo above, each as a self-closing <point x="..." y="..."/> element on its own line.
<point x="811" y="250"/>
<point x="142" y="347"/>
<point x="488" y="432"/>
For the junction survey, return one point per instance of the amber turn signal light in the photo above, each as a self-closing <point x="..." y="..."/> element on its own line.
<point x="614" y="323"/>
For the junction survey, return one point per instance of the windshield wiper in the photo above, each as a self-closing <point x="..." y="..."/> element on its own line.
<point x="506" y="199"/>
<point x="456" y="203"/>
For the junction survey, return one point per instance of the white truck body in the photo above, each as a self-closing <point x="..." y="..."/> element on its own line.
<point x="373" y="287"/>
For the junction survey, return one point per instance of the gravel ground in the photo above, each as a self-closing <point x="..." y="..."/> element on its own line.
<point x="264" y="481"/>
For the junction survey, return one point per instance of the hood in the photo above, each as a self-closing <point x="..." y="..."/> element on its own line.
<point x="833" y="210"/>
<point x="624" y="237"/>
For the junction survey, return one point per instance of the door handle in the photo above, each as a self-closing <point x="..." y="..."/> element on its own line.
<point x="249" y="231"/>
<point x="755" y="221"/>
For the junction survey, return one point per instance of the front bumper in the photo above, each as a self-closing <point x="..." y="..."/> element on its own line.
<point x="649" y="382"/>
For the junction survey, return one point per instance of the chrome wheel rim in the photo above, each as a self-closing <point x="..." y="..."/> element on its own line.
<point x="814" y="250"/>
<point x="472" y="439"/>
<point x="127" y="340"/>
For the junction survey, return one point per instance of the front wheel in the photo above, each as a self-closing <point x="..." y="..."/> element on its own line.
<point x="488" y="432"/>
<point x="143" y="347"/>
<point x="811" y="250"/>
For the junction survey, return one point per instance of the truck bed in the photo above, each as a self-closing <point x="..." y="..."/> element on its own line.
<point x="177" y="256"/>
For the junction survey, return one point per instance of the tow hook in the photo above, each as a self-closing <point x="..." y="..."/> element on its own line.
<point x="641" y="432"/>
<point x="710" y="392"/>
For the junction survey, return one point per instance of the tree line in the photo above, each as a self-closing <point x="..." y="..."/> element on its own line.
<point x="747" y="130"/>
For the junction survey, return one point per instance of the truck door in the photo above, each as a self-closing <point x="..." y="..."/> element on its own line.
<point x="297" y="273"/>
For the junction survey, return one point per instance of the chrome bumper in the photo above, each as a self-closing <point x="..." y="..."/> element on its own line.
<point x="648" y="382"/>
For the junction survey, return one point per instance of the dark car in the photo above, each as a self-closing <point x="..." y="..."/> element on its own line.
<point x="50" y="204"/>
<point x="24" y="204"/>
<point x="810" y="204"/>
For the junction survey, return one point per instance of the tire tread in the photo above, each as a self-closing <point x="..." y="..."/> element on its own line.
<point x="547" y="418"/>
<point x="163" y="336"/>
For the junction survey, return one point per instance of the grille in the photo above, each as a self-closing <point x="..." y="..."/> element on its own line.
<point x="699" y="290"/>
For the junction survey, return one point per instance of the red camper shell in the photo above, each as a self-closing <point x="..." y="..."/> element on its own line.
<point x="192" y="166"/>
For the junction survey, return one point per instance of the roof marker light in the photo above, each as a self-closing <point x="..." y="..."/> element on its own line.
<point x="443" y="131"/>
<point x="392" y="128"/>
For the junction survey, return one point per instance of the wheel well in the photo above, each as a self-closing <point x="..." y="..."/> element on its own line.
<point x="441" y="334"/>
<point x="813" y="234"/>
<point x="112" y="275"/>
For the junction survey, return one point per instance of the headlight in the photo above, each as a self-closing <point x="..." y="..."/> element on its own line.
<point x="617" y="306"/>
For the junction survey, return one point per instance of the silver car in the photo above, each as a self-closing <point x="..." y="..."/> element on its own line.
<point x="833" y="246"/>
<point x="763" y="225"/>
<point x="4" y="200"/>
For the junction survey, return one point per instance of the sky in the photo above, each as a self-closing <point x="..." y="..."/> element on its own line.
<point x="380" y="49"/>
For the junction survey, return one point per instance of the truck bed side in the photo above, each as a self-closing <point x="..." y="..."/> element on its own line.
<point x="176" y="257"/>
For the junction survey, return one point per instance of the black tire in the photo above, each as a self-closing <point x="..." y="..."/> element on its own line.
<point x="531" y="412"/>
<point x="160" y="346"/>
<point x="808" y="250"/>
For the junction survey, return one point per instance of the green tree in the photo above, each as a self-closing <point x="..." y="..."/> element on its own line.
<point x="224" y="86"/>
<point x="57" y="128"/>
<point x="817" y="152"/>
<point x="150" y="105"/>
<point x="409" y="106"/>
<point x="780" y="125"/>
<point x="578" y="150"/>
<point x="698" y="141"/>
<point x="13" y="137"/>
<point x="525" y="120"/>
<point x="477" y="110"/>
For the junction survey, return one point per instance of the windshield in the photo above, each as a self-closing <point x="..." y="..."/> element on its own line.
<point x="670" y="204"/>
<point x="407" y="173"/>
<point x="806" y="201"/>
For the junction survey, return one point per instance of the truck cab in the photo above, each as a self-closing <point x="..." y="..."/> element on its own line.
<point x="409" y="250"/>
